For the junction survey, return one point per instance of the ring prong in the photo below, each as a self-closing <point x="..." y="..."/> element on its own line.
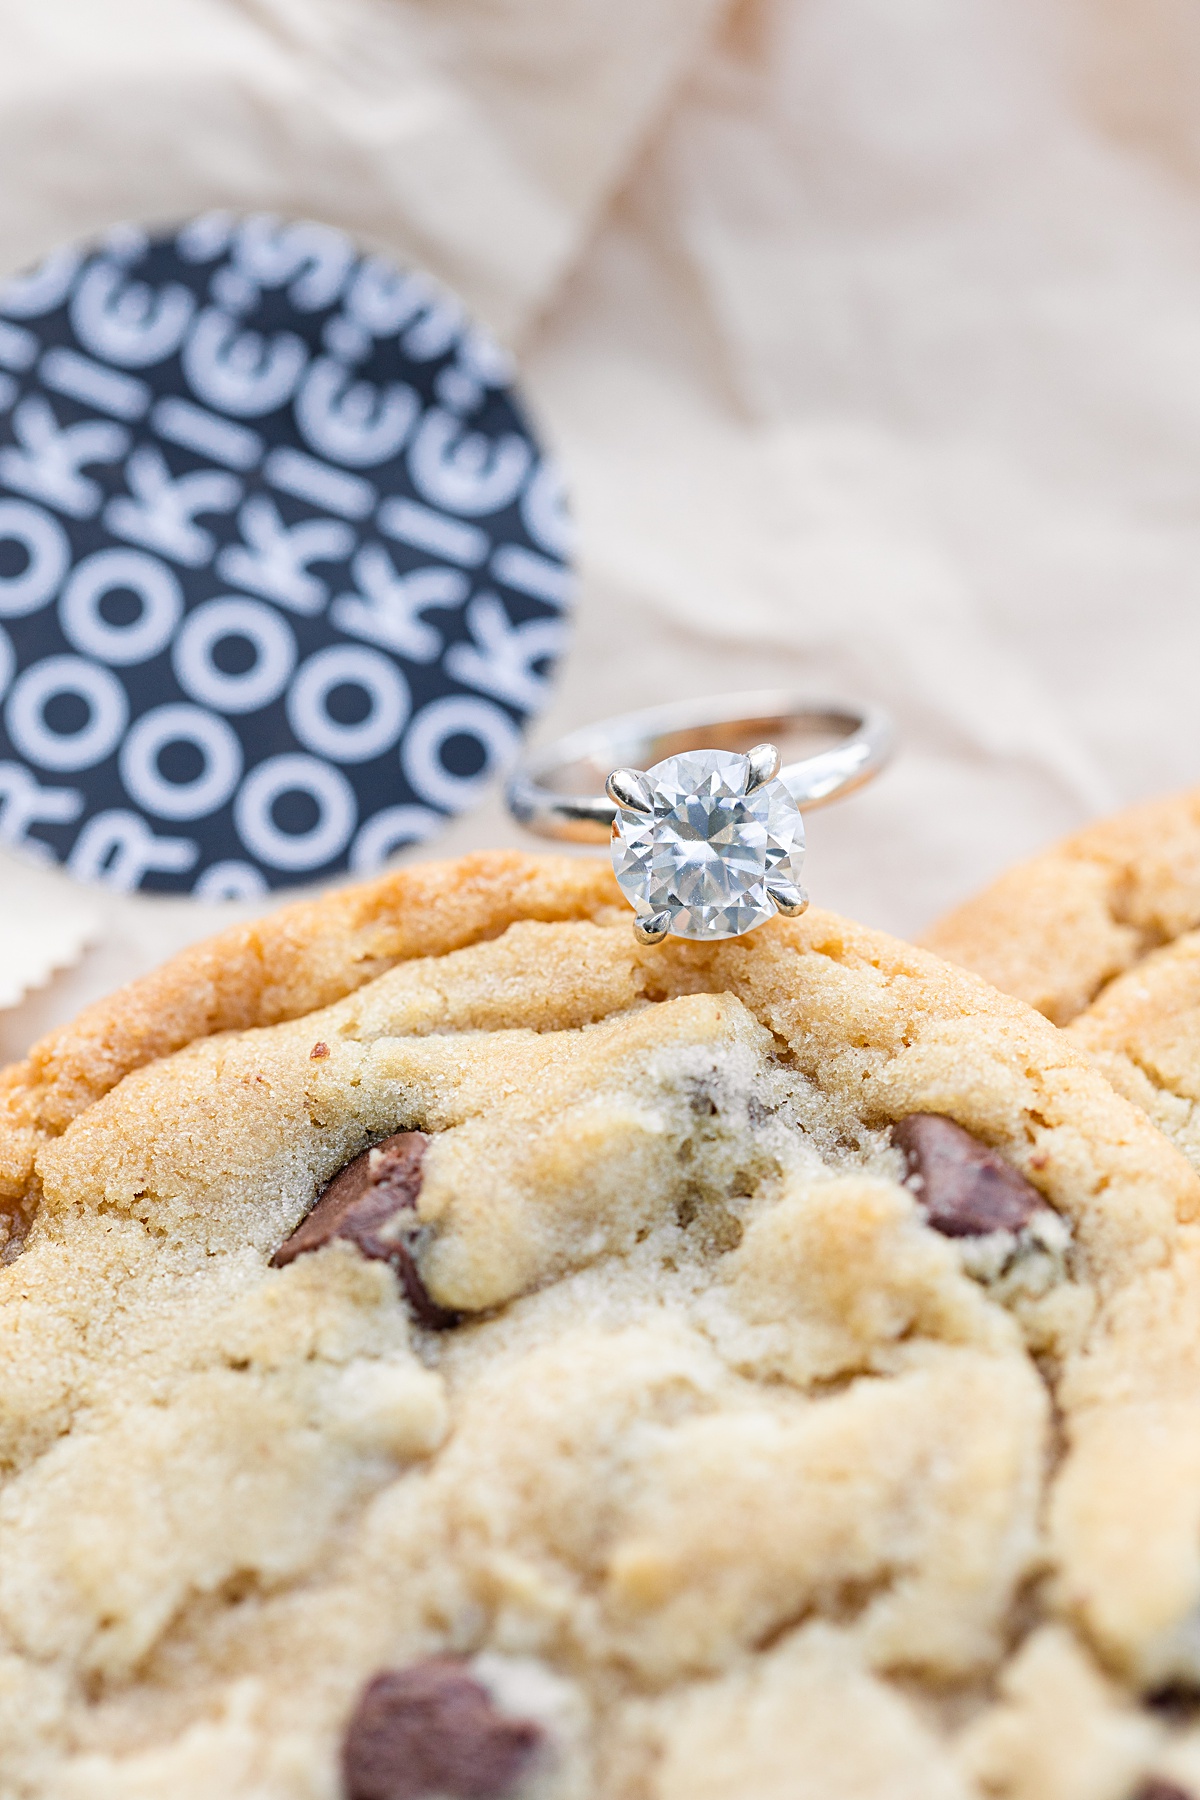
<point x="764" y="762"/>
<point x="630" y="789"/>
<point x="787" y="899"/>
<point x="652" y="928"/>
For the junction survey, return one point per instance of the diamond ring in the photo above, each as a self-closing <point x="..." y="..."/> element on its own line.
<point x="707" y="837"/>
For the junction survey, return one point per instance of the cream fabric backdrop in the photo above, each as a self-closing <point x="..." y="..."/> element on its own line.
<point x="869" y="336"/>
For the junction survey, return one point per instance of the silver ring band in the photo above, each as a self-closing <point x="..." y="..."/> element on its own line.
<point x="554" y="792"/>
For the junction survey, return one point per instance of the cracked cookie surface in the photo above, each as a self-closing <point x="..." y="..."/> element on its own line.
<point x="754" y="1449"/>
<point x="1056" y="929"/>
<point x="1100" y="935"/>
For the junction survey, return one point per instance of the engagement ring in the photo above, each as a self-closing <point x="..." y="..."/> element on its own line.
<point x="707" y="836"/>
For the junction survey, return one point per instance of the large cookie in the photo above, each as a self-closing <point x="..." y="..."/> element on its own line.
<point x="1056" y="929"/>
<point x="291" y="962"/>
<point x="1099" y="935"/>
<point x="560" y="1368"/>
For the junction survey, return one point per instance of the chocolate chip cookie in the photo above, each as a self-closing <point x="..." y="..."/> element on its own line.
<point x="1057" y="929"/>
<point x="1100" y="935"/>
<point x="453" y="1352"/>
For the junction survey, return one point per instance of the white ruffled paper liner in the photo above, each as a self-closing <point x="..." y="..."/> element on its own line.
<point x="46" y="924"/>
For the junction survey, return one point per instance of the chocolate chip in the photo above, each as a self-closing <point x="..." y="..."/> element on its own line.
<point x="1176" y="1701"/>
<point x="432" y="1732"/>
<point x="360" y="1204"/>
<point x="1157" y="1789"/>
<point x="14" y="1230"/>
<point x="966" y="1189"/>
<point x="318" y="1051"/>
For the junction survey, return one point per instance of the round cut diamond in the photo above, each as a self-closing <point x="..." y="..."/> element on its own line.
<point x="707" y="852"/>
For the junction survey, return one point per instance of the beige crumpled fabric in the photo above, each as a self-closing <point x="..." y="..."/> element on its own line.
<point x="480" y="137"/>
<point x="867" y="334"/>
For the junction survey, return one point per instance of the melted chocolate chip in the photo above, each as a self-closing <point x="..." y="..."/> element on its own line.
<point x="966" y="1189"/>
<point x="1157" y="1789"/>
<point x="14" y="1229"/>
<point x="433" y="1730"/>
<point x="361" y="1204"/>
<point x="1176" y="1701"/>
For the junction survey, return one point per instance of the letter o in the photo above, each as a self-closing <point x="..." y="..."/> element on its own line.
<point x="217" y="743"/>
<point x="457" y="715"/>
<point x="230" y="880"/>
<point x="90" y="632"/>
<point x="37" y="686"/>
<point x="337" y="812"/>
<point x="232" y="616"/>
<point x="389" y="830"/>
<point x="45" y="544"/>
<point x="348" y="665"/>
